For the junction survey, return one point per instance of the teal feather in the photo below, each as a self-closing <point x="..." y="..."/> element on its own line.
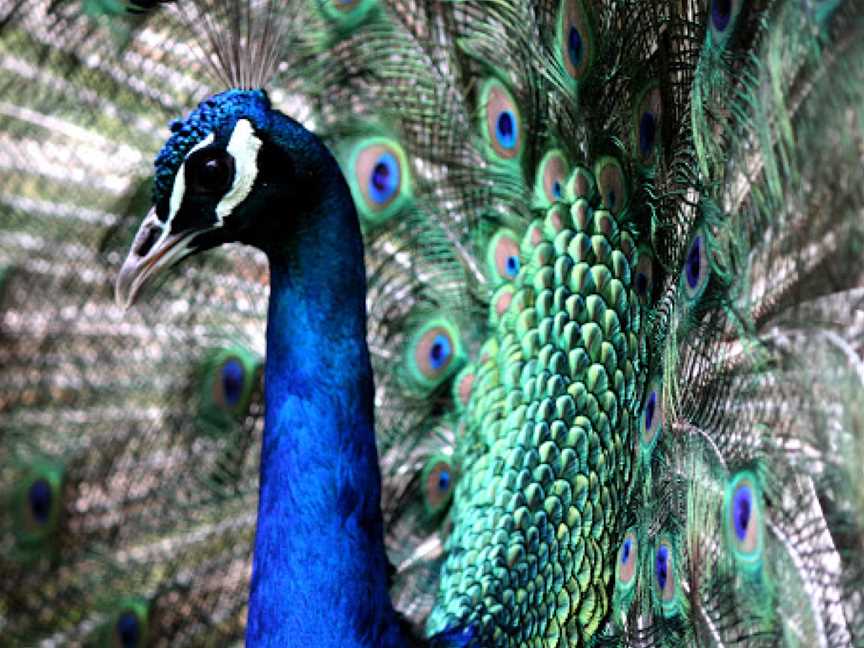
<point x="665" y="351"/>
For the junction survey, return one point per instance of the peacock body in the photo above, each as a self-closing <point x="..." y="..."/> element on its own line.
<point x="613" y="308"/>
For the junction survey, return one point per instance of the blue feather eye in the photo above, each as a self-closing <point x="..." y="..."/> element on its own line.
<point x="644" y="277"/>
<point x="647" y="125"/>
<point x="550" y="178"/>
<point x="505" y="129"/>
<point x="434" y="353"/>
<point x="38" y="505"/>
<point x="438" y="479"/>
<point x="440" y="351"/>
<point x="128" y="630"/>
<point x="40" y="499"/>
<point x="384" y="179"/>
<point x="721" y="14"/>
<point x="744" y="520"/>
<point x="575" y="39"/>
<point x="696" y="272"/>
<point x="502" y="123"/>
<point x="227" y="379"/>
<point x="627" y="560"/>
<point x="724" y="14"/>
<point x="661" y="568"/>
<point x="379" y="178"/>
<point x="664" y="576"/>
<point x="502" y="255"/>
<point x="652" y="419"/>
<point x="612" y="184"/>
<point x="233" y="374"/>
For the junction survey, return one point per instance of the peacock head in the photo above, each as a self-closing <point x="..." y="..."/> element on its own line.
<point x="232" y="156"/>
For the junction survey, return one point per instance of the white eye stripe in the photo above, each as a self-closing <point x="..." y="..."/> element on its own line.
<point x="243" y="147"/>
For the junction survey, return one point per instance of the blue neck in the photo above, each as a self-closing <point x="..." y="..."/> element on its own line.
<point x="319" y="574"/>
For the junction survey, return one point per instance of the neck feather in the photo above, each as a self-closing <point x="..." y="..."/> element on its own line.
<point x="320" y="571"/>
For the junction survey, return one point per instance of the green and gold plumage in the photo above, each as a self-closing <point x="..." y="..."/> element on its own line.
<point x="615" y="313"/>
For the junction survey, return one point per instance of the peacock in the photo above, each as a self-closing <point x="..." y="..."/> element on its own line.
<point x="561" y="301"/>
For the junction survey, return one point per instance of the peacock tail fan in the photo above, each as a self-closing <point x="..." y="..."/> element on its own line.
<point x="615" y="315"/>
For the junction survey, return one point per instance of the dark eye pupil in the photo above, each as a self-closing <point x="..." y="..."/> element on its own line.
<point x="380" y="176"/>
<point x="127" y="628"/>
<point x="232" y="382"/>
<point x="444" y="480"/>
<point x="40" y="500"/>
<point x="213" y="174"/>
<point x="647" y="133"/>
<point x="505" y="124"/>
<point x="649" y="410"/>
<point x="720" y="13"/>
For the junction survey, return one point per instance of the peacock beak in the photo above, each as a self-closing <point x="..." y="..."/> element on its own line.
<point x="153" y="250"/>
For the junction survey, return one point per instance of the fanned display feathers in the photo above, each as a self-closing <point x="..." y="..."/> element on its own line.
<point x="615" y="316"/>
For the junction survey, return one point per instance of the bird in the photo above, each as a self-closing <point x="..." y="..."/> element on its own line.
<point x="546" y="327"/>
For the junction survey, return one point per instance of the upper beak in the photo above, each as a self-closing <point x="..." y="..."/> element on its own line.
<point x="153" y="250"/>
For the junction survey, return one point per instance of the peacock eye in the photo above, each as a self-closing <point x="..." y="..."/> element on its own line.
<point x="502" y="124"/>
<point x="39" y="498"/>
<point x="627" y="561"/>
<point x="724" y="14"/>
<point x="644" y="281"/>
<point x="652" y="419"/>
<point x="696" y="271"/>
<point x="576" y="39"/>
<point x="744" y="520"/>
<point x="551" y="175"/>
<point x="721" y="12"/>
<point x="503" y="255"/>
<point x="438" y="479"/>
<point x="233" y="374"/>
<point x="647" y="124"/>
<point x="384" y="178"/>
<point x="210" y="172"/>
<point x="128" y="630"/>
<point x="612" y="184"/>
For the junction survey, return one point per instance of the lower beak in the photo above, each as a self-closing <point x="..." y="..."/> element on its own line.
<point x="153" y="250"/>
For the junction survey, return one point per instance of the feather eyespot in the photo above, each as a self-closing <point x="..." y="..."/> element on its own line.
<point x="724" y="14"/>
<point x="551" y="176"/>
<point x="696" y="271"/>
<point x="127" y="630"/>
<point x="644" y="278"/>
<point x="436" y="352"/>
<point x="502" y="123"/>
<point x="502" y="255"/>
<point x="647" y="125"/>
<point x="438" y="480"/>
<point x="744" y="519"/>
<point x="611" y="184"/>
<point x="652" y="419"/>
<point x="379" y="178"/>
<point x="228" y="379"/>
<point x="38" y="504"/>
<point x="40" y="499"/>
<point x="664" y="574"/>
<point x="127" y="627"/>
<point x="627" y="561"/>
<point x="232" y="382"/>
<point x="575" y="39"/>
